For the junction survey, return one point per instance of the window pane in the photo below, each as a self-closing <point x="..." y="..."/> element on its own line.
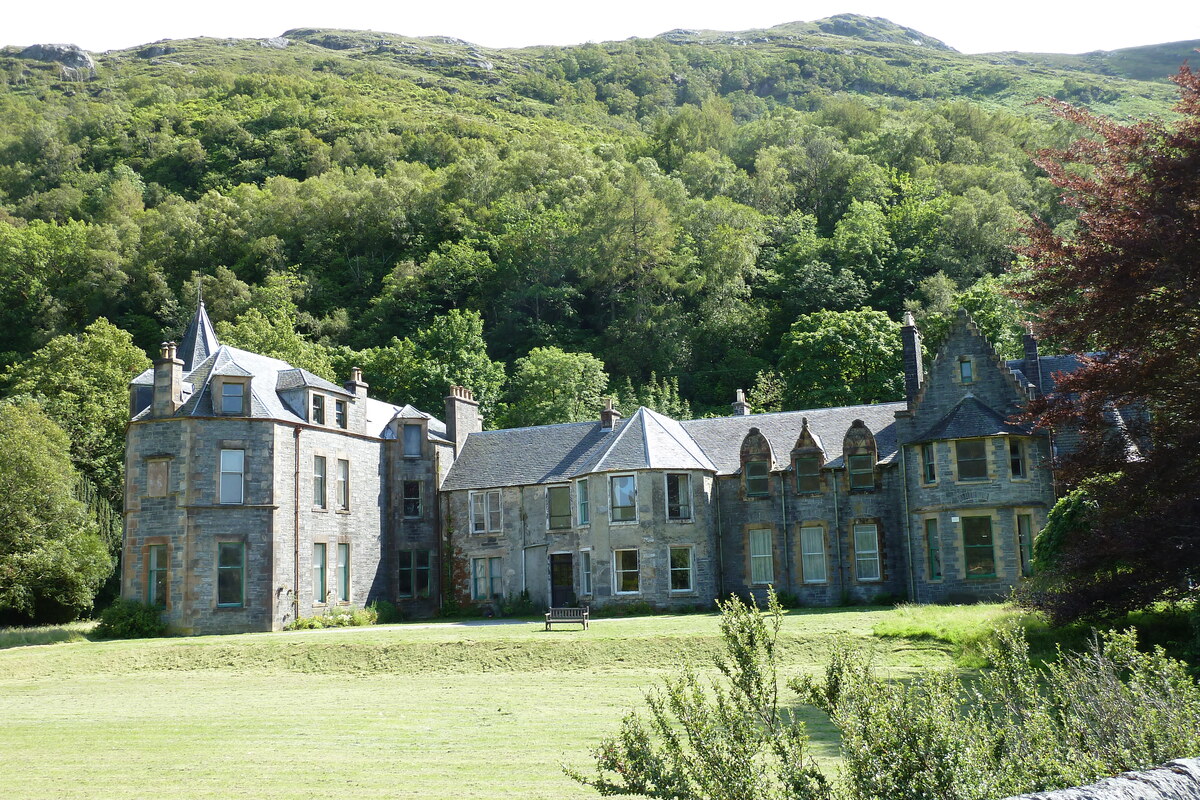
<point x="423" y="561"/>
<point x="339" y="413"/>
<point x="862" y="472"/>
<point x="624" y="494"/>
<point x="808" y="475"/>
<point x="493" y="503"/>
<point x="762" y="559"/>
<point x="412" y="441"/>
<point x="929" y="463"/>
<point x="318" y="409"/>
<point x="319" y="481"/>
<point x="231" y="460"/>
<point x="581" y="492"/>
<point x="679" y="492"/>
<point x="230" y="573"/>
<point x="972" y="459"/>
<point x="412" y="499"/>
<point x="231" y="398"/>
<point x="497" y="576"/>
<point x="318" y="567"/>
<point x="480" y="580"/>
<point x="628" y="577"/>
<point x="966" y="370"/>
<point x="1025" y="542"/>
<point x="231" y="487"/>
<point x="559" y="499"/>
<point x="977" y="547"/>
<point x="156" y="588"/>
<point x="404" y="584"/>
<point x="866" y="552"/>
<point x="478" y="513"/>
<point x="934" y="549"/>
<point x="343" y="568"/>
<point x="757" y="478"/>
<point x="812" y="549"/>
<point x="681" y="569"/>
<point x="585" y="572"/>
<point x="1016" y="459"/>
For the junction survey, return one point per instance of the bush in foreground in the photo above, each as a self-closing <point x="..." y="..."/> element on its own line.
<point x="336" y="618"/>
<point x="1015" y="728"/>
<point x="129" y="619"/>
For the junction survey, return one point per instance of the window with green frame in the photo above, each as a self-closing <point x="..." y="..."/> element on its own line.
<point x="978" y="550"/>
<point x="231" y="574"/>
<point x="758" y="478"/>
<point x="319" y="571"/>
<point x="581" y="497"/>
<point x="157" y="571"/>
<point x="487" y="579"/>
<point x="343" y="573"/>
<point x="1025" y="542"/>
<point x="414" y="573"/>
<point x="866" y="553"/>
<point x="928" y="463"/>
<point x="862" y="471"/>
<point x="812" y="554"/>
<point x="933" y="549"/>
<point x="808" y="474"/>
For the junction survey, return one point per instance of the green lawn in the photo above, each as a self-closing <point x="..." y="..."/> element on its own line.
<point x="431" y="711"/>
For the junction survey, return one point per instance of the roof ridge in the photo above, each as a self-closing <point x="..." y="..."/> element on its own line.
<point x="599" y="462"/>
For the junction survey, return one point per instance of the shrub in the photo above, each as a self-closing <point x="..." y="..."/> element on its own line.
<point x="129" y="619"/>
<point x="336" y="618"/>
<point x="518" y="605"/>
<point x="1015" y="728"/>
<point x="386" y="613"/>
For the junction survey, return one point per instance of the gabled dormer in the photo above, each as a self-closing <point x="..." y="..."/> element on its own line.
<point x="757" y="461"/>
<point x="808" y="457"/>
<point x="861" y="455"/>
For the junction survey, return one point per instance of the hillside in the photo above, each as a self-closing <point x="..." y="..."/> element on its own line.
<point x="669" y="205"/>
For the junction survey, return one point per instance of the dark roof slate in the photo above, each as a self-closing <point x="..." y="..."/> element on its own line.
<point x="971" y="419"/>
<point x="199" y="340"/>
<point x="721" y="437"/>
<point x="297" y="378"/>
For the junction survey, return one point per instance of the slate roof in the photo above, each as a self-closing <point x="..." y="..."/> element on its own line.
<point x="721" y="437"/>
<point x="648" y="440"/>
<point x="269" y="376"/>
<point x="199" y="340"/>
<point x="1049" y="365"/>
<point x="970" y="419"/>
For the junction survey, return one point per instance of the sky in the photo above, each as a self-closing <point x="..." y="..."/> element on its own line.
<point x="1053" y="26"/>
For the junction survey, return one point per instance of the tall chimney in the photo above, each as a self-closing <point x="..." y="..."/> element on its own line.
<point x="462" y="417"/>
<point x="1033" y="365"/>
<point x="739" y="405"/>
<point x="914" y="371"/>
<point x="168" y="381"/>
<point x="608" y="415"/>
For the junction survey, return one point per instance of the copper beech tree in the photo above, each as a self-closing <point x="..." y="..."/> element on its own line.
<point x="1125" y="286"/>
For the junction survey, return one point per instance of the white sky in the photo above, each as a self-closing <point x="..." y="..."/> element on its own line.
<point x="972" y="26"/>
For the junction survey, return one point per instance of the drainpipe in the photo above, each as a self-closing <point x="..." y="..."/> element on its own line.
<point x="787" y="557"/>
<point x="907" y="529"/>
<point x="296" y="529"/>
<point x="720" y="537"/>
<point x="837" y="533"/>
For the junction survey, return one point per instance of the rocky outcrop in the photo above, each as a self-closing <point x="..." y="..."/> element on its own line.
<point x="275" y="43"/>
<point x="74" y="60"/>
<point x="1175" y="780"/>
<point x="156" y="50"/>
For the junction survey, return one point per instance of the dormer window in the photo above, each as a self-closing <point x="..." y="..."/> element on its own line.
<point x="339" y="413"/>
<point x="808" y="473"/>
<point x="757" y="459"/>
<point x="861" y="456"/>
<point x="758" y="476"/>
<point x="966" y="369"/>
<point x="412" y="441"/>
<point x="233" y="398"/>
<point x="318" y="410"/>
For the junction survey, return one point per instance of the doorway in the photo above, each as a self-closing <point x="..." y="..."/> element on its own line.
<point x="562" y="580"/>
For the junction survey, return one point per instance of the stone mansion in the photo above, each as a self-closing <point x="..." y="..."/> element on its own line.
<point x="257" y="492"/>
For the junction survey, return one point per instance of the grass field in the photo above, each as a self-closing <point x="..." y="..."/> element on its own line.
<point x="466" y="710"/>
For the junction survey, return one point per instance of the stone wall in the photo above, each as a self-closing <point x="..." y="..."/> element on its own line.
<point x="1175" y="780"/>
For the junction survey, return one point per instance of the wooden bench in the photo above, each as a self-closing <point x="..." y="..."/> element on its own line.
<point x="578" y="616"/>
